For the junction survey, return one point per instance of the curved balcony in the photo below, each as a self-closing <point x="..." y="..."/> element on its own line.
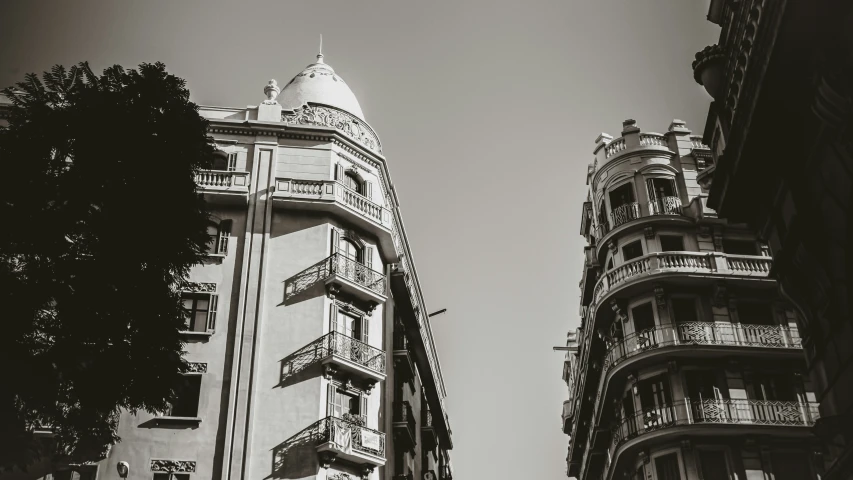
<point x="342" y="439"/>
<point x="332" y="196"/>
<point x="625" y="213"/>
<point x="220" y="186"/>
<point x="665" y="206"/>
<point x="665" y="263"/>
<point x="702" y="333"/>
<point x="340" y="274"/>
<point x="750" y="415"/>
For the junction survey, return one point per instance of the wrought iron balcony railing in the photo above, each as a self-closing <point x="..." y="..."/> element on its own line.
<point x="625" y="213"/>
<point x="715" y="411"/>
<point x="345" y="267"/>
<point x="403" y="414"/>
<point x="338" y="345"/>
<point x="665" y="206"/>
<point x="712" y="263"/>
<point x="221" y="179"/>
<point x="702" y="333"/>
<point x="348" y="436"/>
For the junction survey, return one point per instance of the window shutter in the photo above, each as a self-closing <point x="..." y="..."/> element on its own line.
<point x="365" y="330"/>
<point x="368" y="257"/>
<point x="368" y="190"/>
<point x="336" y="240"/>
<point x="330" y="400"/>
<point x="339" y="172"/>
<point x="362" y="409"/>
<point x="211" y="312"/>
<point x="232" y="162"/>
<point x="333" y="317"/>
<point x="224" y="235"/>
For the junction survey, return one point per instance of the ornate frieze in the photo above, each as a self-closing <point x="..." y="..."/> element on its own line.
<point x="196" y="367"/>
<point x="350" y="125"/>
<point x="199" y="287"/>
<point x="172" y="466"/>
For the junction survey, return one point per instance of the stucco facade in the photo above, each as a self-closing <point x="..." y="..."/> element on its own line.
<point x="309" y="338"/>
<point x="687" y="363"/>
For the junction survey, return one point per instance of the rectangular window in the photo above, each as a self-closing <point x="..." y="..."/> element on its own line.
<point x="643" y="316"/>
<point x="703" y="385"/>
<point x="621" y="195"/>
<point x="199" y="311"/>
<point x="171" y="476"/>
<point x="232" y="162"/>
<point x="667" y="468"/>
<point x="772" y="387"/>
<point x="632" y="250"/>
<point x="345" y="404"/>
<point x="186" y="402"/>
<point x="671" y="243"/>
<point x="739" y="247"/>
<point x="660" y="188"/>
<point x="755" y="313"/>
<point x="713" y="465"/>
<point x="684" y="310"/>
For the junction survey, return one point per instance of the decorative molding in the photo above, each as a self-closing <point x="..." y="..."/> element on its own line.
<point x="340" y="476"/>
<point x="196" y="367"/>
<point x="719" y="295"/>
<point x="326" y="459"/>
<point x="347" y="123"/>
<point x="686" y="445"/>
<point x="172" y="466"/>
<point x="332" y="290"/>
<point x="611" y="244"/>
<point x="649" y="232"/>
<point x="366" y="470"/>
<point x="198" y="287"/>
<point x="329" y="371"/>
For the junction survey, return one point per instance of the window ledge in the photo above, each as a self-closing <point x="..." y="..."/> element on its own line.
<point x="178" y="420"/>
<point x="190" y="333"/>
<point x="215" y="255"/>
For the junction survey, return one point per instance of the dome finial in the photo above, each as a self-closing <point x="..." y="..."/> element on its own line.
<point x="320" y="54"/>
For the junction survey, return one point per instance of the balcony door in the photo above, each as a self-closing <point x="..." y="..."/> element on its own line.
<point x="705" y="392"/>
<point x="774" y="399"/>
<point x="643" y="317"/>
<point x="623" y="206"/>
<point x="667" y="467"/>
<point x="346" y="404"/>
<point x="656" y="400"/>
<point x="663" y="198"/>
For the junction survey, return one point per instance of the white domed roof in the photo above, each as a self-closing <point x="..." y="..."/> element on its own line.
<point x="319" y="83"/>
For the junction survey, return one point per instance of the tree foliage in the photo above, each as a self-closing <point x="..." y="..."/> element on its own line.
<point x="101" y="223"/>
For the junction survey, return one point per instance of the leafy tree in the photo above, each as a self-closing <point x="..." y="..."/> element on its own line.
<point x="101" y="223"/>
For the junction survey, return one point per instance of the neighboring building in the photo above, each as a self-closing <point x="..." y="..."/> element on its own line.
<point x="687" y="364"/>
<point x="311" y="350"/>
<point x="781" y="131"/>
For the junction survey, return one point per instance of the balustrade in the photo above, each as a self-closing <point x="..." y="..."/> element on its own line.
<point x="221" y="179"/>
<point x="688" y="262"/>
<point x="614" y="147"/>
<point x="653" y="140"/>
<point x="341" y="193"/>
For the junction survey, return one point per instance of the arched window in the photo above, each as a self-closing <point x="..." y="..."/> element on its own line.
<point x="353" y="183"/>
<point x="349" y="249"/>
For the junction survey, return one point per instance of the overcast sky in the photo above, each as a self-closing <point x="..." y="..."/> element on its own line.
<point x="487" y="111"/>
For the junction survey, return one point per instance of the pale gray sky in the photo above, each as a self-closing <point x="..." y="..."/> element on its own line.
<point x="487" y="111"/>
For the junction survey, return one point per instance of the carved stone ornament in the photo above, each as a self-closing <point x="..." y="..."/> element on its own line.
<point x="649" y="232"/>
<point x="660" y="297"/>
<point x="332" y="290"/>
<point x="327" y="458"/>
<point x="366" y="470"/>
<point x="350" y="125"/>
<point x="196" y="367"/>
<point x="340" y="476"/>
<point x="686" y="445"/>
<point x="330" y="371"/>
<point x="369" y="386"/>
<point x="172" y="466"/>
<point x="271" y="91"/>
<point x="611" y="244"/>
<point x="199" y="287"/>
